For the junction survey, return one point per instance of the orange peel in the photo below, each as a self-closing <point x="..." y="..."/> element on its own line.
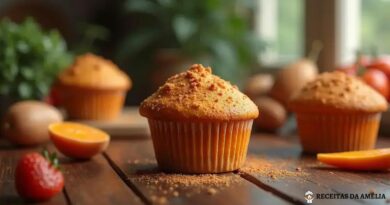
<point x="368" y="160"/>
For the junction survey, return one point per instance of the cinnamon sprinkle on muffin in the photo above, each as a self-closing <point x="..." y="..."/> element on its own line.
<point x="93" y="88"/>
<point x="199" y="123"/>
<point x="336" y="112"/>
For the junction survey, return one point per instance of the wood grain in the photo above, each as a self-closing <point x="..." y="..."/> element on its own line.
<point x="9" y="156"/>
<point x="130" y="124"/>
<point x="321" y="178"/>
<point x="93" y="182"/>
<point x="114" y="178"/>
<point x="122" y="152"/>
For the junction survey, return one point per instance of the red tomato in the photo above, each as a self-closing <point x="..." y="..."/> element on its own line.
<point x="352" y="69"/>
<point x="363" y="61"/>
<point x="377" y="80"/>
<point x="382" y="64"/>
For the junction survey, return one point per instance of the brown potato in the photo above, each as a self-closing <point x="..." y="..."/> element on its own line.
<point x="272" y="114"/>
<point x="26" y="123"/>
<point x="258" y="85"/>
<point x="292" y="78"/>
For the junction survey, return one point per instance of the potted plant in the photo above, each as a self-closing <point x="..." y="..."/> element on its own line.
<point x="29" y="60"/>
<point x="212" y="32"/>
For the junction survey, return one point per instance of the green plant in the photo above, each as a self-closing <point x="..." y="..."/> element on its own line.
<point x="213" y="32"/>
<point x="29" y="59"/>
<point x="92" y="35"/>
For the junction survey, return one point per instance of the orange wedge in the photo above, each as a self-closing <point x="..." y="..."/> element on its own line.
<point x="377" y="159"/>
<point x="77" y="140"/>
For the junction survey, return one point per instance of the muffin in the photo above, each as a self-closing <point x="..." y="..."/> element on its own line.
<point x="93" y="88"/>
<point x="199" y="123"/>
<point x="336" y="112"/>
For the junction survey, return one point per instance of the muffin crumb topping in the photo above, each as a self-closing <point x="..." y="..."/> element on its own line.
<point x="91" y="71"/>
<point x="200" y="94"/>
<point x="338" y="91"/>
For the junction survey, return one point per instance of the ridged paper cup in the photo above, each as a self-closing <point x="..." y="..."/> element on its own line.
<point x="200" y="147"/>
<point x="320" y="132"/>
<point x="93" y="104"/>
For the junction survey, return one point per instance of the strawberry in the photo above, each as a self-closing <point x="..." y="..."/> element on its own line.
<point x="53" y="98"/>
<point x="37" y="176"/>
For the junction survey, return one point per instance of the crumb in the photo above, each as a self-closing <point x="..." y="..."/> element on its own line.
<point x="260" y="166"/>
<point x="387" y="201"/>
<point x="298" y="169"/>
<point x="221" y="84"/>
<point x="195" y="106"/>
<point x="211" y="191"/>
<point x="161" y="200"/>
<point x="158" y="199"/>
<point x="371" y="191"/>
<point x="168" y="183"/>
<point x="189" y="75"/>
<point x="167" y="88"/>
<point x="212" y="87"/>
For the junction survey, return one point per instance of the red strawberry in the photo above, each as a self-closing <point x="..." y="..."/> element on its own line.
<point x="38" y="177"/>
<point x="53" y="98"/>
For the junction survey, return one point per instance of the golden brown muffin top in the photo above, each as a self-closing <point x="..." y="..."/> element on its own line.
<point x="91" y="71"/>
<point x="337" y="92"/>
<point x="197" y="94"/>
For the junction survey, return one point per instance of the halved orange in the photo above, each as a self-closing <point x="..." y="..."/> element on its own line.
<point x="377" y="159"/>
<point x="77" y="140"/>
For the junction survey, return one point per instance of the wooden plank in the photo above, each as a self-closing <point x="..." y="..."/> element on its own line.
<point x="94" y="181"/>
<point x="381" y="178"/>
<point x="321" y="179"/>
<point x="9" y="157"/>
<point x="122" y="152"/>
<point x="130" y="124"/>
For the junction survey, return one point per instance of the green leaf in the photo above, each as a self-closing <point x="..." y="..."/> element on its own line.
<point x="184" y="28"/>
<point x="27" y="73"/>
<point x="4" y="89"/>
<point x="22" y="47"/>
<point x="141" y="6"/>
<point x="25" y="91"/>
<point x="139" y="41"/>
<point x="45" y="153"/>
<point x="224" y="50"/>
<point x="30" y="59"/>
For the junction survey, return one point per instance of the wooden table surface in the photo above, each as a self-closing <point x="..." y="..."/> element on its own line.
<point x="112" y="178"/>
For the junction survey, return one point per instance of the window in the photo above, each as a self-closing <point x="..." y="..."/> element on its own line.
<point x="344" y="27"/>
<point x="280" y="23"/>
<point x="362" y="26"/>
<point x="375" y="26"/>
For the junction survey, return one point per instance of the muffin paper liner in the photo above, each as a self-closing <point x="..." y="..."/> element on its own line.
<point x="93" y="105"/>
<point x="200" y="147"/>
<point x="337" y="133"/>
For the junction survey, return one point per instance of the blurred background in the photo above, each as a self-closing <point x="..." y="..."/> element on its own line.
<point x="153" y="39"/>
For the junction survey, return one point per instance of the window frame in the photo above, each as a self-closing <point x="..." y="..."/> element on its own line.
<point x="333" y="22"/>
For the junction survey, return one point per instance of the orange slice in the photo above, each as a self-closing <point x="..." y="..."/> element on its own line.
<point x="77" y="140"/>
<point x="377" y="159"/>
